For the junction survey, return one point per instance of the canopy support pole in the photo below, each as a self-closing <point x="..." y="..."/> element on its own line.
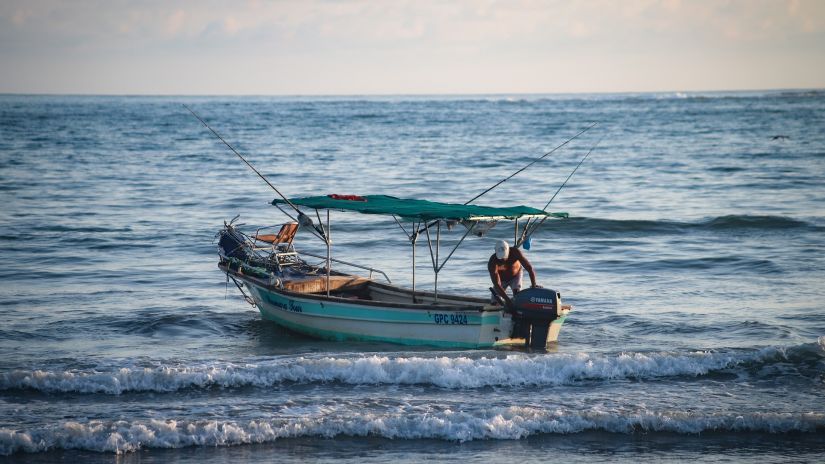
<point x="469" y="230"/>
<point x="329" y="250"/>
<point x="523" y="237"/>
<point x="413" y="240"/>
<point x="515" y="234"/>
<point x="434" y="256"/>
<point x="437" y="247"/>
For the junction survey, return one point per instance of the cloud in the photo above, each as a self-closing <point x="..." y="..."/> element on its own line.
<point x="231" y="25"/>
<point x="491" y="44"/>
<point x="445" y="22"/>
<point x="175" y="22"/>
<point x="19" y="17"/>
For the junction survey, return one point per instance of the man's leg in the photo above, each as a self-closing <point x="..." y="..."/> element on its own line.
<point x="515" y="284"/>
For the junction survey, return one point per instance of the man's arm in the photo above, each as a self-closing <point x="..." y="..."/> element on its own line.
<point x="494" y="277"/>
<point x="525" y="263"/>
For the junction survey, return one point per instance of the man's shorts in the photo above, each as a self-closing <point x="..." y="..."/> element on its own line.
<point x="514" y="284"/>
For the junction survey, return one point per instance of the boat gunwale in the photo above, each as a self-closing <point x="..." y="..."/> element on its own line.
<point x="479" y="306"/>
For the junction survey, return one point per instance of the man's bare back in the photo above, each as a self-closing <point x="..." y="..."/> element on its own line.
<point x="505" y="268"/>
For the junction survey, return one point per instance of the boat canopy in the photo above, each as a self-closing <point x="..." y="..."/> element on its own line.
<point x="412" y="209"/>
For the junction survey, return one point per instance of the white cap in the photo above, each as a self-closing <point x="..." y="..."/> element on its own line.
<point x="502" y="249"/>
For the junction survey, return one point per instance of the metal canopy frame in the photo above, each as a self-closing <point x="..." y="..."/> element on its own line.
<point x="434" y="247"/>
<point x="437" y="264"/>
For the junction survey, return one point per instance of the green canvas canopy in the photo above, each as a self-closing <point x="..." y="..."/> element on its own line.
<point x="416" y="209"/>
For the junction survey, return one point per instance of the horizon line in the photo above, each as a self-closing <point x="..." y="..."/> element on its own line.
<point x="444" y="94"/>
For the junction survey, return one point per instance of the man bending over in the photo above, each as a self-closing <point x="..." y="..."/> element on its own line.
<point x="506" y="268"/>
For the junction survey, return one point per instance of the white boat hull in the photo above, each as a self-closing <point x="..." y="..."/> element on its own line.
<point x="428" y="324"/>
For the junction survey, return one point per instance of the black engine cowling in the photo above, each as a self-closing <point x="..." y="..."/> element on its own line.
<point x="533" y="311"/>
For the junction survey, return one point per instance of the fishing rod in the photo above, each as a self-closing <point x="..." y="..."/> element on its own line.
<point x="529" y="231"/>
<point x="302" y="218"/>
<point x="517" y="172"/>
<point x="530" y="164"/>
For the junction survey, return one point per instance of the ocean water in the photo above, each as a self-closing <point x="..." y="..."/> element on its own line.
<point x="694" y="257"/>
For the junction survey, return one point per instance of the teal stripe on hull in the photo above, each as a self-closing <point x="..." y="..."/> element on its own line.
<point x="371" y="314"/>
<point x="344" y="321"/>
<point x="340" y="337"/>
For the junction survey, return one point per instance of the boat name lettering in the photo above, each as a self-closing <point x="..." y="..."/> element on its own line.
<point x="289" y="306"/>
<point x="295" y="308"/>
<point x="450" y="319"/>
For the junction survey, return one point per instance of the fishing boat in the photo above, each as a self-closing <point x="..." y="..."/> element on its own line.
<point x="322" y="302"/>
<point x="328" y="303"/>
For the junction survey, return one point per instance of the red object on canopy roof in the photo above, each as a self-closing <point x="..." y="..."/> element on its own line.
<point x="336" y="196"/>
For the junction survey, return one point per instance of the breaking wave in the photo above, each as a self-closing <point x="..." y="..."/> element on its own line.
<point x="443" y="372"/>
<point x="510" y="423"/>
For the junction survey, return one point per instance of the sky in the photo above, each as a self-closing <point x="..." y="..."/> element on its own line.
<point x="363" y="47"/>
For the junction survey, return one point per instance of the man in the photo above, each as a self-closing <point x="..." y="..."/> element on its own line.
<point x="506" y="267"/>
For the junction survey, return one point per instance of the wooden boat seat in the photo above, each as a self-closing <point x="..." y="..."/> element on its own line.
<point x="318" y="284"/>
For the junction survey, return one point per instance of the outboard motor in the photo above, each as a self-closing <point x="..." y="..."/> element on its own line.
<point x="534" y="310"/>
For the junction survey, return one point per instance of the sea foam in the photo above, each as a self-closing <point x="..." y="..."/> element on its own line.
<point x="510" y="423"/>
<point x="447" y="372"/>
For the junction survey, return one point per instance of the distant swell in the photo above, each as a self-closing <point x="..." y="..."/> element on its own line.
<point x="511" y="423"/>
<point x="753" y="222"/>
<point x="443" y="372"/>
<point x="610" y="227"/>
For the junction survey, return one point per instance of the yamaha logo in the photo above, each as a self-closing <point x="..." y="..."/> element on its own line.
<point x="534" y="299"/>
